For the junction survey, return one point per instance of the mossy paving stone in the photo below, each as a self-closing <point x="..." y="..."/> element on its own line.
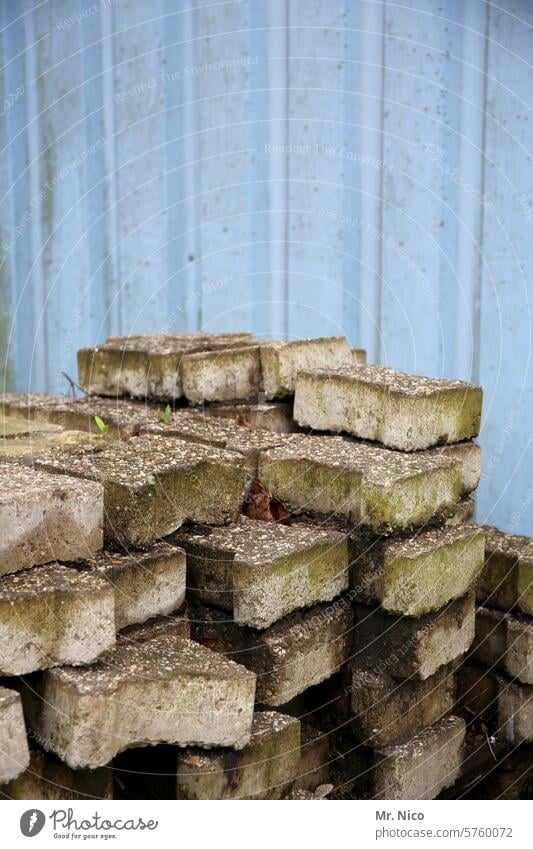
<point x="292" y="655"/>
<point x="414" y="647"/>
<point x="507" y="579"/>
<point x="417" y="574"/>
<point x="52" y="615"/>
<point x="175" y="624"/>
<point x="145" y="583"/>
<point x="49" y="779"/>
<point x="379" y="489"/>
<point x="281" y="362"/>
<point x="423" y="766"/>
<point x="402" y="411"/>
<point x="262" y="770"/>
<point x="468" y="454"/>
<point x="153" y="484"/>
<point x="504" y="641"/>
<point x="13" y="742"/>
<point x="275" y="416"/>
<point x="44" y="518"/>
<point x="162" y="690"/>
<point x="146" y="365"/>
<point x="515" y="711"/>
<point x="262" y="571"/>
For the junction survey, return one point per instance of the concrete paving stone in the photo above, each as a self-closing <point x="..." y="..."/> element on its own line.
<point x="504" y="642"/>
<point x="507" y="579"/>
<point x="52" y="615"/>
<point x="515" y="711"/>
<point x="262" y="571"/>
<point x="358" y="357"/>
<point x="316" y="754"/>
<point x="424" y="765"/>
<point x="145" y="583"/>
<point x="146" y="365"/>
<point x="402" y="411"/>
<point x="418" y="574"/>
<point x="387" y="711"/>
<point x="175" y="624"/>
<point x="292" y="655"/>
<point x="275" y="416"/>
<point x="44" y="518"/>
<point x="261" y="770"/>
<point x="14" y="752"/>
<point x="414" y="647"/>
<point x="371" y="486"/>
<point x="13" y="428"/>
<point x="468" y="454"/>
<point x="153" y="484"/>
<point x="164" y="690"/>
<point x="463" y="512"/>
<point x="232" y="374"/>
<point x="477" y="693"/>
<point x="50" y="780"/>
<point x="281" y="362"/>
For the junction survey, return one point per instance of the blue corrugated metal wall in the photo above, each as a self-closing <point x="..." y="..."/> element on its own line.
<point x="290" y="166"/>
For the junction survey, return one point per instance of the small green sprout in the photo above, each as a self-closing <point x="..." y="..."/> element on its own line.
<point x="167" y="414"/>
<point x="101" y="425"/>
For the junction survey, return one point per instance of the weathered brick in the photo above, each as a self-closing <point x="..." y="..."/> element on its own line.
<point x="507" y="579"/>
<point x="418" y="574"/>
<point x="401" y="411"/>
<point x="13" y="743"/>
<point x="414" y="647"/>
<point x="376" y="488"/>
<point x="515" y="711"/>
<point x="51" y="615"/>
<point x="49" y="779"/>
<point x="167" y="689"/>
<point x="293" y="654"/>
<point x="262" y="571"/>
<point x="261" y="770"/>
<point x="281" y="362"/>
<point x="45" y="518"/>
<point x="504" y="642"/>
<point x="275" y="416"/>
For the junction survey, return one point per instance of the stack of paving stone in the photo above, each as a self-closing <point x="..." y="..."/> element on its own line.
<point x="496" y="682"/>
<point x="361" y="592"/>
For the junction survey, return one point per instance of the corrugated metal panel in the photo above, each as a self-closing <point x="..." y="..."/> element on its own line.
<point x="291" y="167"/>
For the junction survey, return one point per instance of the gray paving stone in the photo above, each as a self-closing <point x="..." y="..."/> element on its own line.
<point x="417" y="574"/>
<point x="262" y="571"/>
<point x="15" y="755"/>
<point x="145" y="583"/>
<point x="376" y="488"/>
<point x="400" y="410"/>
<point x="153" y="484"/>
<point x="167" y="689"/>
<point x="49" y="779"/>
<point x="515" y="711"/>
<point x="507" y="579"/>
<point x="45" y="518"/>
<point x="414" y="647"/>
<point x="292" y="655"/>
<point x="52" y="615"/>
<point x="261" y="770"/>
<point x="281" y="362"/>
<point x="504" y="642"/>
<point x="423" y="766"/>
<point x="275" y="416"/>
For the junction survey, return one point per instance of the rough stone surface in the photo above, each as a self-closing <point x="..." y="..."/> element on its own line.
<point x="52" y="615"/>
<point x="175" y="624"/>
<point x="281" y="362"/>
<point x="275" y="416"/>
<point x="262" y="571"/>
<point x="15" y="755"/>
<point x="402" y="411"/>
<point x="45" y="518"/>
<point x="28" y="449"/>
<point x="290" y="656"/>
<point x="358" y="357"/>
<point x="505" y="642"/>
<point x="417" y="574"/>
<point x="422" y="767"/>
<point x="376" y="488"/>
<point x="507" y="579"/>
<point x="13" y="428"/>
<point x="259" y="771"/>
<point x="468" y="454"/>
<point x="226" y="375"/>
<point x="145" y="583"/>
<point x="316" y="754"/>
<point x="166" y="689"/>
<point x="153" y="484"/>
<point x="387" y="711"/>
<point x="146" y="365"/>
<point x="515" y="711"/>
<point x="49" y="779"/>
<point x="414" y="647"/>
